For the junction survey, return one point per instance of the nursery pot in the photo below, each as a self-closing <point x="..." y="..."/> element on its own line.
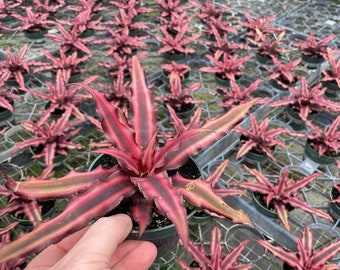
<point x="279" y="87"/>
<point x="263" y="59"/>
<point x="313" y="154"/>
<point x="13" y="82"/>
<point x="47" y="210"/>
<point x="252" y="158"/>
<point x="334" y="208"/>
<point x="224" y="82"/>
<point x="5" y="114"/>
<point x="34" y="35"/>
<point x="295" y="120"/>
<point x="333" y="90"/>
<point x="177" y="57"/>
<point x="314" y="60"/>
<point x="259" y="203"/>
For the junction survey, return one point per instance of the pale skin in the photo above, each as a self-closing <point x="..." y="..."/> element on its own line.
<point x="99" y="247"/>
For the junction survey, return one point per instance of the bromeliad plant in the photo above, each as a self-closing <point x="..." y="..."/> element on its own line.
<point x="235" y="95"/>
<point x="227" y="67"/>
<point x="307" y="257"/>
<point x="168" y="7"/>
<point x="258" y="28"/>
<point x="177" y="44"/>
<point x="7" y="97"/>
<point x="308" y="100"/>
<point x="215" y="260"/>
<point x="209" y="10"/>
<point x="69" y="39"/>
<point x="222" y="45"/>
<point x="33" y="21"/>
<point x="68" y="64"/>
<point x="285" y="192"/>
<point x="325" y="141"/>
<point x="284" y="74"/>
<point x="8" y="7"/>
<point x="62" y="97"/>
<point x="51" y="139"/>
<point x="141" y="173"/>
<point x="270" y="48"/>
<point x="121" y="42"/>
<point x="15" y="67"/>
<point x="314" y="48"/>
<point x="332" y="74"/>
<point x="260" y="138"/>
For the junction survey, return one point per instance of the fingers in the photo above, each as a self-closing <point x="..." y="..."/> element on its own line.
<point x="133" y="254"/>
<point x="53" y="253"/>
<point x="94" y="250"/>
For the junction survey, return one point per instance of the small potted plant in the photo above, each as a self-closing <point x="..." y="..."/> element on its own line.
<point x="176" y="47"/>
<point x="220" y="25"/>
<point x="175" y="70"/>
<point x="180" y="97"/>
<point x="6" y="102"/>
<point x="48" y="6"/>
<point x="323" y="144"/>
<point x="62" y="97"/>
<point x="50" y="139"/>
<point x="121" y="42"/>
<point x="69" y="64"/>
<point x="15" y="71"/>
<point x="215" y="259"/>
<point x="268" y="48"/>
<point x="168" y="7"/>
<point x="175" y="22"/>
<point x="258" y="142"/>
<point x="140" y="174"/>
<point x="209" y="10"/>
<point x="7" y="8"/>
<point x="226" y="68"/>
<point x="83" y="24"/>
<point x="307" y="257"/>
<point x="282" y="75"/>
<point x="275" y="198"/>
<point x="330" y="76"/>
<point x="35" y="24"/>
<point x="312" y="50"/>
<point x="222" y="45"/>
<point x="304" y="102"/>
<point x="70" y="40"/>
<point x="234" y="95"/>
<point x="258" y="28"/>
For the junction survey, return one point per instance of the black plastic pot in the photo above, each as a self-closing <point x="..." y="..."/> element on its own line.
<point x="334" y="208"/>
<point x="252" y="158"/>
<point x="333" y="90"/>
<point x="260" y="207"/>
<point x="34" y="35"/>
<point x="47" y="210"/>
<point x="313" y="154"/>
<point x="314" y="60"/>
<point x="263" y="59"/>
<point x="279" y="87"/>
<point x="5" y="115"/>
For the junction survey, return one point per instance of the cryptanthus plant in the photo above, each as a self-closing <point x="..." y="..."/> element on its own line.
<point x="140" y="173"/>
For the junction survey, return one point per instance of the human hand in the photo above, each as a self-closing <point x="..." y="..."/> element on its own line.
<point x="98" y="247"/>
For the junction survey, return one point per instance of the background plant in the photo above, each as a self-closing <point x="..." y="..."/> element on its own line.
<point x="307" y="258"/>
<point x="282" y="193"/>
